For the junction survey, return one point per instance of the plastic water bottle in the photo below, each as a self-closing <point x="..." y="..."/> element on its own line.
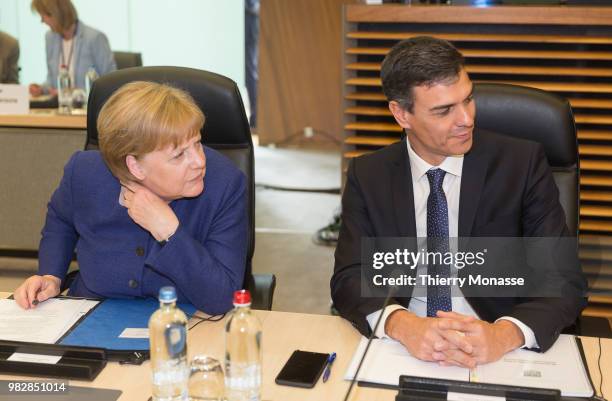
<point x="64" y="91"/>
<point x="168" y="340"/>
<point x="242" y="351"/>
<point x="90" y="77"/>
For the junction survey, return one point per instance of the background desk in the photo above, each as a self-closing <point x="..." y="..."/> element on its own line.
<point x="282" y="334"/>
<point x="33" y="151"/>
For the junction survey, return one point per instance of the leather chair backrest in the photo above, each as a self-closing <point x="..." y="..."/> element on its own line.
<point x="226" y="128"/>
<point x="127" y="60"/>
<point x="539" y="116"/>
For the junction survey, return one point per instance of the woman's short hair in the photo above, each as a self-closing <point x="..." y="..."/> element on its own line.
<point x="141" y="117"/>
<point x="62" y="11"/>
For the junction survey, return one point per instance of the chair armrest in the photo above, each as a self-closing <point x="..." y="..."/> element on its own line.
<point x="262" y="291"/>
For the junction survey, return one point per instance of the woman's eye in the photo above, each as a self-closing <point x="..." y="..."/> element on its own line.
<point x="179" y="155"/>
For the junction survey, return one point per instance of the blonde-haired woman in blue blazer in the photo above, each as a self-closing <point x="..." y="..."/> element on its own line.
<point x="152" y="208"/>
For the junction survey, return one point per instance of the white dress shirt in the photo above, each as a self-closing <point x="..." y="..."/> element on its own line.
<point x="453" y="165"/>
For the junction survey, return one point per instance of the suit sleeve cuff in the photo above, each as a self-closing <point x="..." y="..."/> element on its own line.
<point x="373" y="317"/>
<point x="530" y="340"/>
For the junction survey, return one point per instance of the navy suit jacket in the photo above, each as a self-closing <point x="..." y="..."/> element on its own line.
<point x="507" y="190"/>
<point x="204" y="259"/>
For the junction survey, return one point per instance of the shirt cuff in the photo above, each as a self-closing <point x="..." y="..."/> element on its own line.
<point x="373" y="317"/>
<point x="530" y="340"/>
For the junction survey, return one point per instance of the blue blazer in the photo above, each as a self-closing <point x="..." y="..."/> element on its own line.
<point x="91" y="49"/>
<point x="204" y="259"/>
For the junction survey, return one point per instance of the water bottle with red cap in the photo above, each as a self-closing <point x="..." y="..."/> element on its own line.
<point x="242" y="351"/>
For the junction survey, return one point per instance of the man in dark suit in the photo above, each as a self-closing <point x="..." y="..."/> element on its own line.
<point x="449" y="179"/>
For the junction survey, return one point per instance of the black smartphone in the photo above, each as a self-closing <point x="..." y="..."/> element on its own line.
<point x="303" y="369"/>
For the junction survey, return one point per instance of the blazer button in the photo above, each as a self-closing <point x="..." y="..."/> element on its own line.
<point x="140" y="251"/>
<point x="133" y="283"/>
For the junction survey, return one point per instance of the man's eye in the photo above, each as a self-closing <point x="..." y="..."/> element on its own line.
<point x="469" y="99"/>
<point x="443" y="112"/>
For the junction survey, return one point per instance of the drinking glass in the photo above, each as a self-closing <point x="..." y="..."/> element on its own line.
<point x="206" y="382"/>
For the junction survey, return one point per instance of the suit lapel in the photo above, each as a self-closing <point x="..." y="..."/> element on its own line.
<point x="402" y="194"/>
<point x="472" y="183"/>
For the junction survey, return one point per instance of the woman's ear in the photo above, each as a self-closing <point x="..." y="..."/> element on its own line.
<point x="135" y="168"/>
<point x="402" y="116"/>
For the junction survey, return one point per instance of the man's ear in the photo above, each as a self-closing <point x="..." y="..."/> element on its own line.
<point x="402" y="116"/>
<point x="135" y="167"/>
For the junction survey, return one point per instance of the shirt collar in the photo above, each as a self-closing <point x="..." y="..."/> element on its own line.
<point x="419" y="167"/>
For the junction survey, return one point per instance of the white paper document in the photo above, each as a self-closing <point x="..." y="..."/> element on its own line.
<point x="34" y="358"/>
<point x="134" y="332"/>
<point x="46" y="323"/>
<point x="560" y="367"/>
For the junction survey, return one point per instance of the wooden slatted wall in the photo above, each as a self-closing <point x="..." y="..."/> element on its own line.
<point x="569" y="53"/>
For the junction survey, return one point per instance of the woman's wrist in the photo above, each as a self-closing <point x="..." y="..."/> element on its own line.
<point x="165" y="235"/>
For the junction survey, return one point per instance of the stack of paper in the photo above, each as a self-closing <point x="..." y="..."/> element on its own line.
<point x="46" y="323"/>
<point x="561" y="367"/>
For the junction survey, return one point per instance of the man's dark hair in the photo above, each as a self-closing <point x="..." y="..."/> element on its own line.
<point x="421" y="60"/>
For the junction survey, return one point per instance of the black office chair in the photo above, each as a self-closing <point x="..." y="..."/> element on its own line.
<point x="546" y="118"/>
<point x="539" y="116"/>
<point x="127" y="60"/>
<point x="226" y="130"/>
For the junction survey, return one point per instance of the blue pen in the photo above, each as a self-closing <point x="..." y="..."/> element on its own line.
<point x="330" y="361"/>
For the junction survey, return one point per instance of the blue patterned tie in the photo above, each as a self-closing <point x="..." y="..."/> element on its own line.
<point x="438" y="297"/>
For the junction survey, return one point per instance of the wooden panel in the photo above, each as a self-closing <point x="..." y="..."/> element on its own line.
<point x="477" y="37"/>
<point x="596" y="211"/>
<point x="512" y="54"/>
<point x="299" y="78"/>
<point x="602" y="165"/>
<point x="595" y="240"/>
<point x="369" y="111"/>
<point x="384" y="127"/>
<point x="371" y="140"/>
<point x="591" y="103"/>
<point x="600" y="299"/>
<point x="595" y="225"/>
<point x="545" y="71"/>
<point x="595" y="150"/>
<point x="511" y="70"/>
<point x="549" y="86"/>
<point x="595" y="135"/>
<point x="560" y="86"/>
<point x="598" y="311"/>
<point x="355" y="153"/>
<point x="375" y="96"/>
<point x="477" y="15"/>
<point x="363" y="81"/>
<point x="600" y="196"/>
<point x="592" y="119"/>
<point x="596" y="180"/>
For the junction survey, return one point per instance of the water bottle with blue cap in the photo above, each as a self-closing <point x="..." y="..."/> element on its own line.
<point x="168" y="341"/>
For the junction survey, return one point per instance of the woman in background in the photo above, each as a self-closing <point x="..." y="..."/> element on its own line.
<point x="72" y="44"/>
<point x="141" y="213"/>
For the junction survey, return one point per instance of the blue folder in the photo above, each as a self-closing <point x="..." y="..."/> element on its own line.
<point x="101" y="327"/>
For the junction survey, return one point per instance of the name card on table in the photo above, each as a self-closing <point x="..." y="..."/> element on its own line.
<point x="14" y="99"/>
